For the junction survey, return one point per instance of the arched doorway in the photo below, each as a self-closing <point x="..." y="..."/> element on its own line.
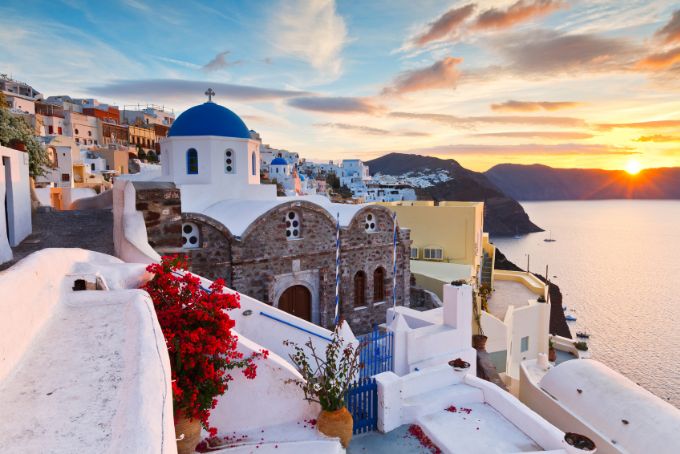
<point x="297" y="300"/>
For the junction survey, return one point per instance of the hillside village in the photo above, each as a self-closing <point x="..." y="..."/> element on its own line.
<point x="450" y="353"/>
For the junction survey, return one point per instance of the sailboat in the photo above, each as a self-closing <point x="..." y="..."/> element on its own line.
<point x="550" y="238"/>
<point x="517" y="235"/>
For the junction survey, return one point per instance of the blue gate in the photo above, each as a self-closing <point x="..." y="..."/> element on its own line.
<point x="362" y="396"/>
<point x="362" y="402"/>
<point x="376" y="353"/>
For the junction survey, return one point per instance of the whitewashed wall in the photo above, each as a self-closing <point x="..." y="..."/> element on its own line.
<point x="18" y="201"/>
<point x="34" y="292"/>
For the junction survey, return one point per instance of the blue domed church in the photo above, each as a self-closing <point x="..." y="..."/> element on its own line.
<point x="279" y="250"/>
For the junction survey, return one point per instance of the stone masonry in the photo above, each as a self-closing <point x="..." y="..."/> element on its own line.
<point x="262" y="262"/>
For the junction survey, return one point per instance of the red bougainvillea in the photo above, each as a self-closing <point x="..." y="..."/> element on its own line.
<point x="198" y="334"/>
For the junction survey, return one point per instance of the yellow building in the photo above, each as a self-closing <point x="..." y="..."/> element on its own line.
<point x="448" y="232"/>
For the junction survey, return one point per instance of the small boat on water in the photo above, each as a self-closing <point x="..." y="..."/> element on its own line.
<point x="570" y="318"/>
<point x="550" y="239"/>
<point x="564" y="308"/>
<point x="582" y="335"/>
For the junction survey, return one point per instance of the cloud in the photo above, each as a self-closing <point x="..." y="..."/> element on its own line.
<point x="470" y="122"/>
<point x="446" y="25"/>
<point x="371" y="131"/>
<point x="527" y="150"/>
<point x="658" y="138"/>
<point x="219" y="62"/>
<point x="311" y="31"/>
<point x="533" y="106"/>
<point x="550" y="52"/>
<point x="557" y="135"/>
<point x="520" y="11"/>
<point x="670" y="33"/>
<point x="658" y="124"/>
<point x="338" y="104"/>
<point x="660" y="61"/>
<point x="441" y="74"/>
<point x="180" y="90"/>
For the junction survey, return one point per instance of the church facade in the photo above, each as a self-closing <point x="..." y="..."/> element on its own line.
<point x="280" y="250"/>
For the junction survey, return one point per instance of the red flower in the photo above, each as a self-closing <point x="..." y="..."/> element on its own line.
<point x="197" y="330"/>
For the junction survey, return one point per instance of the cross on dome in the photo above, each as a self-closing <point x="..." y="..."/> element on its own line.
<point x="209" y="93"/>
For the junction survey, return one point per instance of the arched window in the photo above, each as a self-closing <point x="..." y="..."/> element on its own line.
<point x="253" y="163"/>
<point x="360" y="289"/>
<point x="293" y="227"/>
<point x="379" y="285"/>
<point x="229" y="161"/>
<point x="190" y="235"/>
<point x="192" y="161"/>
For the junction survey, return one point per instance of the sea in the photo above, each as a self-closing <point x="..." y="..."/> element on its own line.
<point x="617" y="263"/>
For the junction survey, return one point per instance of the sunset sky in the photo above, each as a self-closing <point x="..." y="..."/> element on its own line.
<point x="565" y="83"/>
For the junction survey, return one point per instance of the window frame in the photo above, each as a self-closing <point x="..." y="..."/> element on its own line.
<point x="524" y="344"/>
<point x="359" y="288"/>
<point x="229" y="154"/>
<point x="192" y="161"/>
<point x="379" y="293"/>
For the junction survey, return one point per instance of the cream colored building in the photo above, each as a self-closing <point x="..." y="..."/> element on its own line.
<point x="451" y="232"/>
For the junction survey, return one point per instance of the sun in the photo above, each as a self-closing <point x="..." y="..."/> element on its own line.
<point x="633" y="167"/>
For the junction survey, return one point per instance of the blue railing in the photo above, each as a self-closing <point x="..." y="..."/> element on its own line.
<point x="376" y="354"/>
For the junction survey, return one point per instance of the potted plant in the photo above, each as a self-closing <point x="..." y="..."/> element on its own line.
<point x="325" y="380"/>
<point x="201" y="344"/>
<point x="552" y="353"/>
<point x="581" y="346"/>
<point x="459" y="365"/>
<point x="479" y="339"/>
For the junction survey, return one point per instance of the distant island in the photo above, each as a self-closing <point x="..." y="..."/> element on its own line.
<point x="502" y="214"/>
<point x="541" y="182"/>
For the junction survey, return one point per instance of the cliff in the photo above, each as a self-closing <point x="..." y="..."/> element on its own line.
<point x="502" y="214"/>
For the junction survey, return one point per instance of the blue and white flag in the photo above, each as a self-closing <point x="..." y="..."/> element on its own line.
<point x="337" y="270"/>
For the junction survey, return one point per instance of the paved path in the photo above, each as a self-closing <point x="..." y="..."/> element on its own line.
<point x="86" y="229"/>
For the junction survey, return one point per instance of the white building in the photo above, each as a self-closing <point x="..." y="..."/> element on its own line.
<point x="354" y="174"/>
<point x="389" y="193"/>
<point x="83" y="128"/>
<point x="269" y="154"/>
<point x="15" y="198"/>
<point x="19" y="96"/>
<point x="149" y="115"/>
<point x="585" y="396"/>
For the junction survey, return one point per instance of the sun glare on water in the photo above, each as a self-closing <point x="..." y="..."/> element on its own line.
<point x="633" y="167"/>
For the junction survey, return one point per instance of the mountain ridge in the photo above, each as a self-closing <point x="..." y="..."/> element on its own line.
<point x="541" y="182"/>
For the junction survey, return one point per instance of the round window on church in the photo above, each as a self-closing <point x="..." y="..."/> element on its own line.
<point x="370" y="223"/>
<point x="190" y="235"/>
<point x="293" y="230"/>
<point x="229" y="161"/>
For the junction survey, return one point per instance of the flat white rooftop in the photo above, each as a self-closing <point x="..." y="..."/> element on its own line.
<point x="506" y="294"/>
<point x="482" y="431"/>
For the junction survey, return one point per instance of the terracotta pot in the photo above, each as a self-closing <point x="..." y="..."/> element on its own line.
<point x="552" y="355"/>
<point x="188" y="434"/>
<point x="479" y="342"/>
<point x="338" y="423"/>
